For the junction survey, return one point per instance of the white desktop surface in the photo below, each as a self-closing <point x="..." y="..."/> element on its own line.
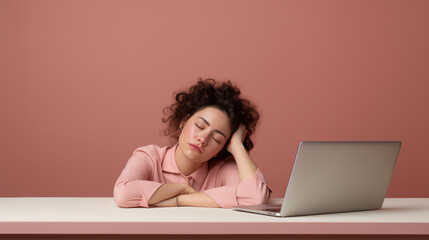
<point x="85" y="215"/>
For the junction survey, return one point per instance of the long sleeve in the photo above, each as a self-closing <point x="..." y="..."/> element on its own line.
<point x="229" y="191"/>
<point x="135" y="186"/>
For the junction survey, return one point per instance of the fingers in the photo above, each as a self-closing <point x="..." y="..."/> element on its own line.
<point x="242" y="132"/>
<point x="190" y="190"/>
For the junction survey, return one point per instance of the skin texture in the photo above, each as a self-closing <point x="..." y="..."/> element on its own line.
<point x="203" y="135"/>
<point x="208" y="129"/>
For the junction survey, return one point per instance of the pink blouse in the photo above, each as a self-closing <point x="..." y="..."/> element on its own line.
<point x="151" y="166"/>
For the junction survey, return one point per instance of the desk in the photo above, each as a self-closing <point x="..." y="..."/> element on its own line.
<point x="101" y="216"/>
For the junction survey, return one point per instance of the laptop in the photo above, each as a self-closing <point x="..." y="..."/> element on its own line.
<point x="332" y="177"/>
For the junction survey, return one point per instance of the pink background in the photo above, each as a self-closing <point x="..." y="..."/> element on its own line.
<point x="83" y="83"/>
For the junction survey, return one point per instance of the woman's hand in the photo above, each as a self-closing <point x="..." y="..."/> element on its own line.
<point x="246" y="166"/>
<point x="169" y="191"/>
<point x="172" y="201"/>
<point x="188" y="189"/>
<point x="237" y="138"/>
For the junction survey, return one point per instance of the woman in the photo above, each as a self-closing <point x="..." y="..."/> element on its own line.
<point x="209" y="165"/>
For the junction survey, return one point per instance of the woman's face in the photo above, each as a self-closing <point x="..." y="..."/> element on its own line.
<point x="204" y="134"/>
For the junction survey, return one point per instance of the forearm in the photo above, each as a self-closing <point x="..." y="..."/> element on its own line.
<point x="246" y="166"/>
<point x="171" y="202"/>
<point x="199" y="199"/>
<point x="167" y="191"/>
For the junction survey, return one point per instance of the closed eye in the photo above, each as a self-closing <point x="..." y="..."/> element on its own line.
<point x="202" y="127"/>
<point x="216" y="140"/>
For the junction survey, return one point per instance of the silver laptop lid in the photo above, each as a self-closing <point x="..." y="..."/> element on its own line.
<point x="330" y="177"/>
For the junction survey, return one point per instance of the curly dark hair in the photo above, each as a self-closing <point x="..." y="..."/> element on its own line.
<point x="209" y="92"/>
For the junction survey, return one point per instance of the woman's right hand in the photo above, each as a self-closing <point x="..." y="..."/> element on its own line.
<point x="188" y="189"/>
<point x="170" y="190"/>
<point x="169" y="200"/>
<point x="185" y="188"/>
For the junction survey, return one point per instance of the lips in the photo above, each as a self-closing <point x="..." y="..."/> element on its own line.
<point x="196" y="148"/>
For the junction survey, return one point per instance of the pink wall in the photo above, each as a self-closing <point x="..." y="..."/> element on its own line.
<point x="83" y="83"/>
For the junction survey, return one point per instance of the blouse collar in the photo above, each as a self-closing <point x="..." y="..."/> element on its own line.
<point x="169" y="165"/>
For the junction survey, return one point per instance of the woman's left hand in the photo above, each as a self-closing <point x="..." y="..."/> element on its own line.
<point x="246" y="166"/>
<point x="237" y="137"/>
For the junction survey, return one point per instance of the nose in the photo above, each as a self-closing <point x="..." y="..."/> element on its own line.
<point x="202" y="138"/>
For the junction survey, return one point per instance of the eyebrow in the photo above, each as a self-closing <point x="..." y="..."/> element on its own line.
<point x="221" y="133"/>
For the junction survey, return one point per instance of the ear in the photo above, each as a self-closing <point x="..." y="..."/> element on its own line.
<point x="182" y="123"/>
